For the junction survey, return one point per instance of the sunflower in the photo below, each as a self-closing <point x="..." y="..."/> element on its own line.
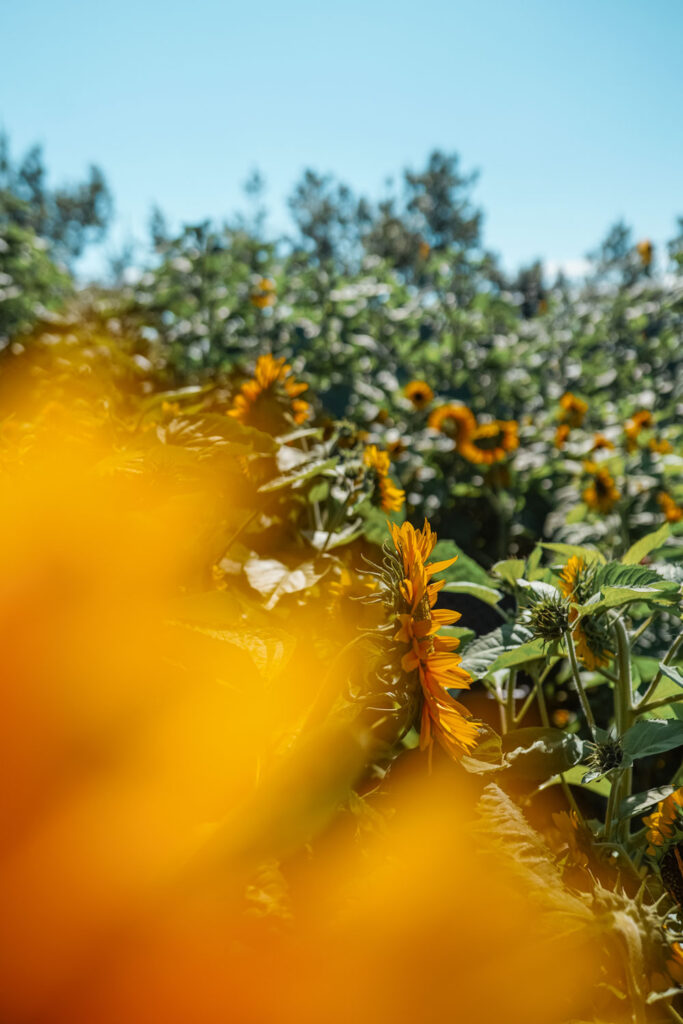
<point x="675" y="963"/>
<point x="262" y="294"/>
<point x="661" y="824"/>
<point x="644" y="250"/>
<point x="562" y="435"/>
<point x="590" y="637"/>
<point x="419" y="393"/>
<point x="601" y="494"/>
<point x="572" y="409"/>
<point x="601" y="442"/>
<point x="568" y="839"/>
<point x="661" y="446"/>
<point x="269" y="400"/>
<point x="673" y="513"/>
<point x="633" y="427"/>
<point x="430" y="656"/>
<point x="391" y="497"/>
<point x="490" y="442"/>
<point x="456" y="421"/>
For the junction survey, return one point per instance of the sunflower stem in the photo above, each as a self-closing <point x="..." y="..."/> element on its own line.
<point x="510" y="700"/>
<point x="623" y="713"/>
<point x="666" y="660"/>
<point x="576" y="672"/>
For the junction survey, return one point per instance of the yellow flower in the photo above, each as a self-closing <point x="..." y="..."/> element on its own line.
<point x="644" y="250"/>
<point x="675" y="963"/>
<point x="263" y="293"/>
<point x="490" y="442"/>
<point x="600" y="442"/>
<point x="661" y="447"/>
<point x="673" y="513"/>
<point x="633" y="427"/>
<point x="601" y="494"/>
<point x="376" y="459"/>
<point x="572" y="409"/>
<point x="661" y="824"/>
<point x="391" y="497"/>
<point x="428" y="654"/>
<point x="457" y="421"/>
<point x="566" y="838"/>
<point x="589" y="638"/>
<point x="269" y="400"/>
<point x="419" y="393"/>
<point x="561" y="435"/>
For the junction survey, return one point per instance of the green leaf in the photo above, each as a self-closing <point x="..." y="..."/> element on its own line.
<point x="621" y="584"/>
<point x="313" y="468"/>
<point x="540" y="589"/>
<point x="486" y="594"/>
<point x="654" y="736"/>
<point x="640" y="802"/>
<point x="672" y="673"/>
<point x="504" y="829"/>
<point x="645" y="545"/>
<point x="631" y="577"/>
<point x="590" y="555"/>
<point x="509" y="570"/>
<point x="539" y="753"/>
<point x="273" y="579"/>
<point x="464" y="570"/>
<point x="575" y="776"/>
<point x="483" y="652"/>
<point x="530" y="651"/>
<point x="487" y="756"/>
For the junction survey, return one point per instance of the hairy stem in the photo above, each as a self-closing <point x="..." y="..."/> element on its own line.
<point x="585" y="706"/>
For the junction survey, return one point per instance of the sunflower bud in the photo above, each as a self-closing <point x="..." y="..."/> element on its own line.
<point x="548" y="618"/>
<point x="606" y="756"/>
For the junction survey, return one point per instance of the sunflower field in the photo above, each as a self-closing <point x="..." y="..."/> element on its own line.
<point x="341" y="611"/>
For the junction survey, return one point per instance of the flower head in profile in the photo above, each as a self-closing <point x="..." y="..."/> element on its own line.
<point x="663" y="823"/>
<point x="572" y="409"/>
<point x="419" y="393"/>
<point x="410" y="597"/>
<point x="456" y="421"/>
<point x="269" y="400"/>
<point x="378" y="464"/>
<point x="634" y="425"/>
<point x="590" y="634"/>
<point x="601" y="493"/>
<point x="673" y="513"/>
<point x="491" y="442"/>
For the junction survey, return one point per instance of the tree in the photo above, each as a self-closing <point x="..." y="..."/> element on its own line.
<point x="616" y="259"/>
<point x="329" y="217"/>
<point x="68" y="218"/>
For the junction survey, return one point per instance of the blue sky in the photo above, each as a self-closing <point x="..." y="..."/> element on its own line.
<point x="571" y="111"/>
